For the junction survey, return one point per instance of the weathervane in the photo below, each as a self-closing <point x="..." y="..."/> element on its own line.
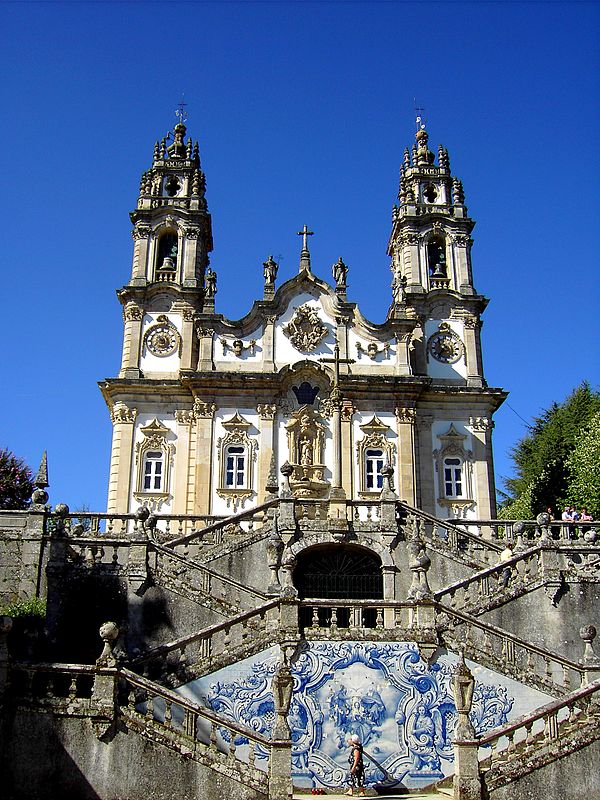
<point x="180" y="112"/>
<point x="419" y="116"/>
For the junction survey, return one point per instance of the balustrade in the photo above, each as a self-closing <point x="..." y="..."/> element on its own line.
<point x="345" y="619"/>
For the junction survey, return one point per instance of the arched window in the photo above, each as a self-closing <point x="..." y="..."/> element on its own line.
<point x="153" y="471"/>
<point x="166" y="257"/>
<point x="436" y="262"/>
<point x="374" y="461"/>
<point x="453" y="477"/>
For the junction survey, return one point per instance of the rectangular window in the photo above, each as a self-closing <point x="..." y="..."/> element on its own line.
<point x="453" y="477"/>
<point x="153" y="471"/>
<point x="235" y="468"/>
<point x="373" y="467"/>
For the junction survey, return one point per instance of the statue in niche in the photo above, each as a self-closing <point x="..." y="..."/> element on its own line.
<point x="306" y="441"/>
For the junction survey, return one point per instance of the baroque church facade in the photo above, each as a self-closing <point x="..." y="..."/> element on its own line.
<point x="300" y="544"/>
<point x="205" y="409"/>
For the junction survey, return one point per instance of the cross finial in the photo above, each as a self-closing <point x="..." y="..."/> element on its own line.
<point x="180" y="112"/>
<point x="304" y="233"/>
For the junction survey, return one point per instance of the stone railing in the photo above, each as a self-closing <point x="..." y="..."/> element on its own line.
<point x="188" y="657"/>
<point x="495" y="585"/>
<point x="243" y="523"/>
<point x="180" y="572"/>
<point x="539" y="738"/>
<point x="449" y="537"/>
<point x="500" y="650"/>
<point x="530" y="532"/>
<point x="362" y="619"/>
<point x="106" y="694"/>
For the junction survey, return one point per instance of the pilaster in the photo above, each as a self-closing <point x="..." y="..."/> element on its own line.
<point x="190" y="255"/>
<point x="482" y="455"/>
<point x="472" y="336"/>
<point x="121" y="459"/>
<point x="204" y="413"/>
<point x="426" y="496"/>
<point x="269" y="344"/>
<point x="185" y="419"/>
<point x="268" y="413"/>
<point x="205" y="352"/>
<point x="407" y="478"/>
<point x="141" y="245"/>
<point x="133" y="316"/>
<point x="403" y="354"/>
<point x="187" y="339"/>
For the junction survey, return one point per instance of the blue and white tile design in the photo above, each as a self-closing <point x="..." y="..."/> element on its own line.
<point x="401" y="708"/>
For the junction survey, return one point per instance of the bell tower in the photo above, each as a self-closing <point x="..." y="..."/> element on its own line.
<point x="430" y="248"/>
<point x="172" y="236"/>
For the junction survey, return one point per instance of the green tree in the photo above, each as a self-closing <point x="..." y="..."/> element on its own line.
<point x="542" y="472"/>
<point x="16" y="486"/>
<point x="583" y="466"/>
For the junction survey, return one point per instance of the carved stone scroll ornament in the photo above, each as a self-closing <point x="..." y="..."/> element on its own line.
<point x="237" y="347"/>
<point x="122" y="413"/>
<point x="372" y="350"/>
<point x="305" y="330"/>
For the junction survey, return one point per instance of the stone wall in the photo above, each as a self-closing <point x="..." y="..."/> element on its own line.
<point x="60" y="757"/>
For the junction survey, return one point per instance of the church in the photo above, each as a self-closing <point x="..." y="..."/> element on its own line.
<point x="301" y="543"/>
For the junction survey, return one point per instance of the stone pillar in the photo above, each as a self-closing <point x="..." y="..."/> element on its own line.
<point x="182" y="481"/>
<point x="266" y="448"/>
<point x="337" y="496"/>
<point x="204" y="413"/>
<point x="121" y="458"/>
<point x="187" y="340"/>
<point x="425" y="495"/>
<point x="280" y="762"/>
<point x="472" y="337"/>
<point x="461" y="243"/>
<point x="407" y="479"/>
<point x="133" y="316"/>
<point x="590" y="661"/>
<point x="484" y="466"/>
<point x="467" y="782"/>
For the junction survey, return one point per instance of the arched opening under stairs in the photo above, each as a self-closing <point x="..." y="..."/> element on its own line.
<point x="338" y="572"/>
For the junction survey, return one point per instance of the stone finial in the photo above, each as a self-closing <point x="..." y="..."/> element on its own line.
<point x="419" y="564"/>
<point x="274" y="550"/>
<point x="39" y="495"/>
<point x="282" y="687"/>
<point x="588" y="634"/>
<point x="463" y="686"/>
<point x="287" y="471"/>
<point x="109" y="633"/>
<point x="458" y="195"/>
<point x="305" y="252"/>
<point x="288" y="589"/>
<point x="271" y="485"/>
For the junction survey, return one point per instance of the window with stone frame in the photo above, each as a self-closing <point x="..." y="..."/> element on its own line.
<point x="373" y="452"/>
<point x="153" y="458"/>
<point x="236" y="454"/>
<point x="454" y="468"/>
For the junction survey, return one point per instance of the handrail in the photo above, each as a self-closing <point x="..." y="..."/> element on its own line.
<point x="484" y="573"/>
<point x="213" y="574"/>
<point x="534" y="716"/>
<point x="540" y="651"/>
<point x="447" y="523"/>
<point x="205" y="633"/>
<point x="226" y="521"/>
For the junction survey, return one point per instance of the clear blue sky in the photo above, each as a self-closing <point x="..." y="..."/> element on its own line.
<point x="302" y="111"/>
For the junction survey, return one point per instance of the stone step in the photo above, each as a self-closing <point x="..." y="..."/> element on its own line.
<point x="410" y="795"/>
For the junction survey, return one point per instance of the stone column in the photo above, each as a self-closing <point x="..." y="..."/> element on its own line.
<point x="182" y="481"/>
<point x="484" y="467"/>
<point x="425" y="494"/>
<point x="472" y="337"/>
<point x="266" y="448"/>
<point x="121" y="458"/>
<point x="407" y="479"/>
<point x="204" y="413"/>
<point x="133" y="316"/>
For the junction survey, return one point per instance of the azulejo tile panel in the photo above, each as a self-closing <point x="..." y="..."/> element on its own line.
<point x="401" y="708"/>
